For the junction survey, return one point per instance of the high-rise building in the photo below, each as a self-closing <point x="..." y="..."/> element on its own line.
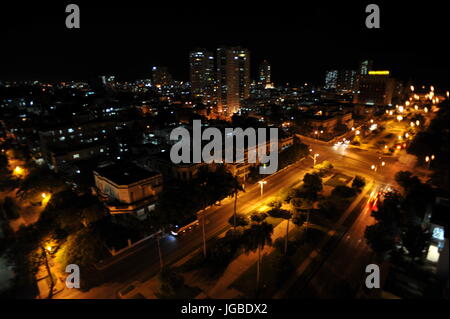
<point x="375" y="88"/>
<point x="346" y="80"/>
<point x="331" y="79"/>
<point x="340" y="80"/>
<point x="161" y="76"/>
<point x="365" y="66"/>
<point x="265" y="75"/>
<point x="202" y="75"/>
<point x="233" y="78"/>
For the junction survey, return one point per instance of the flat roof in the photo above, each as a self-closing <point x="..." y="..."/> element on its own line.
<point x="125" y="173"/>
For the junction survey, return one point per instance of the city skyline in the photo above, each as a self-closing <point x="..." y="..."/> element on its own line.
<point x="300" y="45"/>
<point x="243" y="152"/>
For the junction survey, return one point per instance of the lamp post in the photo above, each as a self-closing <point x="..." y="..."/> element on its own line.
<point x="314" y="158"/>
<point x="261" y="184"/>
<point x="428" y="160"/>
<point x="47" y="266"/>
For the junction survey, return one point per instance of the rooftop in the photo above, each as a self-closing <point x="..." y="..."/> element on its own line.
<point x="124" y="173"/>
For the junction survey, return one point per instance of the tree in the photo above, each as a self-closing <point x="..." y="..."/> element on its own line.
<point x="285" y="214"/>
<point x="238" y="220"/>
<point x="358" y="182"/>
<point x="40" y="180"/>
<point x="406" y="179"/>
<point x="258" y="217"/>
<point x="255" y="239"/>
<point x="388" y="211"/>
<point x="312" y="183"/>
<point x="237" y="187"/>
<point x="380" y="237"/>
<point x="298" y="219"/>
<point x="84" y="248"/>
<point x="3" y="163"/>
<point x="415" y="240"/>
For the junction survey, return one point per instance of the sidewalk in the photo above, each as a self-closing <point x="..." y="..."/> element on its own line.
<point x="316" y="252"/>
<point x="43" y="283"/>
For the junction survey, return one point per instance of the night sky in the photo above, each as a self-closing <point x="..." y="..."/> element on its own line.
<point x="300" y="41"/>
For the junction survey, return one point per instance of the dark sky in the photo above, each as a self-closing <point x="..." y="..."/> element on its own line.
<point x="300" y="41"/>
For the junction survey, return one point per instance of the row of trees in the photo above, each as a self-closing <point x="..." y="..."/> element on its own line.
<point x="400" y="227"/>
<point x="435" y="141"/>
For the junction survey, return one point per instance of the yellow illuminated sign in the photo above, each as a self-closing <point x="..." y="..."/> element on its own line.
<point x="378" y="72"/>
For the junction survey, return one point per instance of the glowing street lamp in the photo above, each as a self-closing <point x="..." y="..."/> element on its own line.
<point x="261" y="183"/>
<point x="399" y="118"/>
<point x="18" y="171"/>
<point x="416" y="107"/>
<point x="428" y="160"/>
<point x="417" y="123"/>
<point x="412" y="88"/>
<point x="373" y="168"/>
<point x="412" y="124"/>
<point x="314" y="157"/>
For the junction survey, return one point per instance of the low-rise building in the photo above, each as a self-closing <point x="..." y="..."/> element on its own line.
<point x="127" y="188"/>
<point x="329" y="121"/>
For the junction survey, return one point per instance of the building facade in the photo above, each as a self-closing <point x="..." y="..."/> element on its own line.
<point x="375" y="88"/>
<point x="127" y="189"/>
<point x="233" y="79"/>
<point x="202" y="77"/>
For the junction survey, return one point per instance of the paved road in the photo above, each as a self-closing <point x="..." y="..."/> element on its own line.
<point x="346" y="264"/>
<point x="145" y="261"/>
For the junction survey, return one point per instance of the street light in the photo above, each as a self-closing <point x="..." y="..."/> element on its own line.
<point x="428" y="160"/>
<point x="314" y="157"/>
<point x="261" y="183"/>
<point x="18" y="170"/>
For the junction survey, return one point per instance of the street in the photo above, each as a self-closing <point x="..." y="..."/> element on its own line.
<point x="144" y="262"/>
